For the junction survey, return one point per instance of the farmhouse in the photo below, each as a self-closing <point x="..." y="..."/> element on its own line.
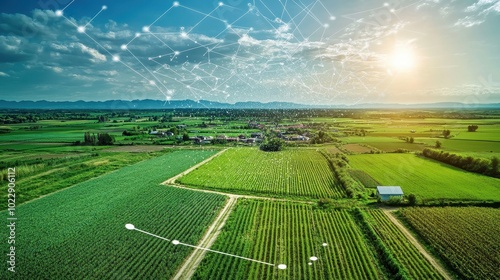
<point x="384" y="193"/>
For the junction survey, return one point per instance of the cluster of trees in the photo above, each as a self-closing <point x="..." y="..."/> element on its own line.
<point x="321" y="137"/>
<point x="23" y="116"/>
<point x="101" y="139"/>
<point x="131" y="133"/>
<point x="438" y="144"/>
<point x="274" y="144"/>
<point x="409" y="140"/>
<point x="472" y="128"/>
<point x="103" y="118"/>
<point x="446" y="133"/>
<point x="468" y="163"/>
<point x="164" y="118"/>
<point x="357" y="132"/>
<point x="338" y="163"/>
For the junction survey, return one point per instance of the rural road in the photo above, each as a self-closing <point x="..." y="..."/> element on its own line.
<point x="189" y="266"/>
<point x="390" y="214"/>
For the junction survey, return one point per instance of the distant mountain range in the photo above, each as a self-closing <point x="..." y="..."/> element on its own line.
<point x="203" y="104"/>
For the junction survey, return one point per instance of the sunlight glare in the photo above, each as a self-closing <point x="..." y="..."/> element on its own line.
<point x="403" y="59"/>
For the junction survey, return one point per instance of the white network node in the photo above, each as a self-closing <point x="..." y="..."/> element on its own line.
<point x="130" y="226"/>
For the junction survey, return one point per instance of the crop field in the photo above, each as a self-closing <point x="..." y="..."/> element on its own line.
<point x="288" y="233"/>
<point x="356" y="148"/>
<point x="74" y="199"/>
<point x="462" y="145"/>
<point x="79" y="233"/>
<point x="46" y="176"/>
<point x="429" y="180"/>
<point x="410" y="260"/>
<point x="303" y="173"/>
<point x="466" y="238"/>
<point x="366" y="180"/>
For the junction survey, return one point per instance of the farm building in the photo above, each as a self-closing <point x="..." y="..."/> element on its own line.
<point x="384" y="193"/>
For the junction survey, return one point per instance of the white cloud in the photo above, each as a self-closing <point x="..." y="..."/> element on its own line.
<point x="58" y="47"/>
<point x="96" y="55"/>
<point x="110" y="73"/>
<point x="479" y="5"/>
<point x="56" y="69"/>
<point x="3" y="74"/>
<point x="495" y="8"/>
<point x="469" y="21"/>
<point x="478" y="12"/>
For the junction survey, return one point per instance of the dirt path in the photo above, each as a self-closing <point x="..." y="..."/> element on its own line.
<point x="390" y="214"/>
<point x="238" y="195"/>
<point x="188" y="268"/>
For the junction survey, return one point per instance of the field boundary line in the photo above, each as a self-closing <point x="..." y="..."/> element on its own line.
<point x="191" y="263"/>
<point x="390" y="214"/>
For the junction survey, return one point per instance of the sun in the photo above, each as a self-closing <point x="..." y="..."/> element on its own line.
<point x="403" y="59"/>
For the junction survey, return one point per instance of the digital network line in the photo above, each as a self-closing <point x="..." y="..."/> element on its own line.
<point x="299" y="53"/>
<point x="177" y="242"/>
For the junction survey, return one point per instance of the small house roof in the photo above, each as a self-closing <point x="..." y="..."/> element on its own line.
<point x="391" y="190"/>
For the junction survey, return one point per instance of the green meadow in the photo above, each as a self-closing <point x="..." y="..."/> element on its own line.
<point x="428" y="179"/>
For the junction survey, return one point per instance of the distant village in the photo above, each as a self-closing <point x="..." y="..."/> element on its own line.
<point x="252" y="138"/>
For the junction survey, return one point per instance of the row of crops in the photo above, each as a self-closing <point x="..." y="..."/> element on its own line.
<point x="467" y="238"/>
<point x="290" y="233"/>
<point x="43" y="178"/>
<point x="79" y="233"/>
<point x="400" y="257"/>
<point x="303" y="173"/>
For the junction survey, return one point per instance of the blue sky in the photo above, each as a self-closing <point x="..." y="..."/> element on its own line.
<point x="304" y="51"/>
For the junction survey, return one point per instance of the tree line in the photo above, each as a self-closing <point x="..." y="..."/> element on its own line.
<point x="476" y="165"/>
<point x="338" y="164"/>
<point x="101" y="139"/>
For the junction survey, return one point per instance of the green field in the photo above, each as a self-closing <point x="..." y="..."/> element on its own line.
<point x="49" y="175"/>
<point x="412" y="263"/>
<point x="429" y="180"/>
<point x="73" y="198"/>
<point x="288" y="233"/>
<point x="466" y="238"/>
<point x="302" y="173"/>
<point x="79" y="233"/>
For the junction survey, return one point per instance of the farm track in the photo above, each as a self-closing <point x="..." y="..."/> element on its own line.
<point x="189" y="266"/>
<point x="416" y="243"/>
<point x="191" y="263"/>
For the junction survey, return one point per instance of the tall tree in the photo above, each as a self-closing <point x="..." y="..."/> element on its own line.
<point x="438" y="144"/>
